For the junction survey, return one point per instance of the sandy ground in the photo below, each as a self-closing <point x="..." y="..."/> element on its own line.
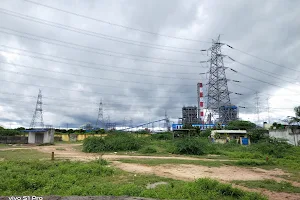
<point x="185" y="172"/>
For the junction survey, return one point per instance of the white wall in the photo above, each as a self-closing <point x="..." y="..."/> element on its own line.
<point x="48" y="137"/>
<point x="31" y="138"/>
<point x="286" y="134"/>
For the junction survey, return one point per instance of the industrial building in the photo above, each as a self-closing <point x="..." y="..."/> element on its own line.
<point x="228" y="113"/>
<point x="189" y="115"/>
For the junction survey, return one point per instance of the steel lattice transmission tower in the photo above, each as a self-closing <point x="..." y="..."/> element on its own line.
<point x="218" y="100"/>
<point x="37" y="119"/>
<point x="100" y="122"/>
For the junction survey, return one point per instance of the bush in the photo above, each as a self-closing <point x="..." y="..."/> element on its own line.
<point x="122" y="142"/>
<point x="272" y="146"/>
<point x="249" y="162"/>
<point x="162" y="136"/>
<point x="9" y="132"/>
<point x="93" y="144"/>
<point x="194" y="146"/>
<point x="112" y="142"/>
<point x="148" y="149"/>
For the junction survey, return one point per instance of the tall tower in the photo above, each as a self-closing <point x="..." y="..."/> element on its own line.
<point x="37" y="119"/>
<point x="99" y="122"/>
<point x="218" y="100"/>
<point x="167" y="122"/>
<point x="200" y="103"/>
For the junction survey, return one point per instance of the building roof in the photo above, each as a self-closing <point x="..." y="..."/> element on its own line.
<point x="36" y="130"/>
<point x="228" y="132"/>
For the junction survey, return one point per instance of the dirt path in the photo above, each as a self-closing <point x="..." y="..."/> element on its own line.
<point x="186" y="172"/>
<point x="69" y="151"/>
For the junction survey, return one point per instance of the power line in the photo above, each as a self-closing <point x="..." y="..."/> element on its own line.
<point x="152" y="97"/>
<point x="87" y="83"/>
<point x="114" y="24"/>
<point x="260" y="80"/>
<point x="268" y="61"/>
<point x="99" y="35"/>
<point x="78" y="46"/>
<point x="96" y="68"/>
<point x="265" y="72"/>
<point x="161" y="63"/>
<point x="79" y="101"/>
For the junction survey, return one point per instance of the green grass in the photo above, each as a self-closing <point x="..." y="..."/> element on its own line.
<point x="2" y="146"/>
<point x="23" y="154"/>
<point x="66" y="178"/>
<point x="270" y="185"/>
<point x="153" y="162"/>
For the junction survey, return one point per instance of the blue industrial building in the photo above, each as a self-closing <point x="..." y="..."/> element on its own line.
<point x="201" y="126"/>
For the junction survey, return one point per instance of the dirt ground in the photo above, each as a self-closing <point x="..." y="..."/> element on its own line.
<point x="185" y="172"/>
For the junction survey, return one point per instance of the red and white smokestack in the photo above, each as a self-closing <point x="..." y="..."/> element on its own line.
<point x="201" y="103"/>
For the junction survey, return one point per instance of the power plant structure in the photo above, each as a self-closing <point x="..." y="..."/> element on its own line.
<point x="218" y="100"/>
<point x="218" y="109"/>
<point x="189" y="115"/>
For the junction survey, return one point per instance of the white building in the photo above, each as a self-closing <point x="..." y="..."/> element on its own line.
<point x="40" y="136"/>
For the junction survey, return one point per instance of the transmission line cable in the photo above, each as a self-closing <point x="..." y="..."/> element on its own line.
<point x="99" y="35"/>
<point x="114" y="24"/>
<point x="78" y="46"/>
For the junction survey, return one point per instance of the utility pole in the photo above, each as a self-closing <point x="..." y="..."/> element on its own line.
<point x="37" y="118"/>
<point x="257" y="106"/>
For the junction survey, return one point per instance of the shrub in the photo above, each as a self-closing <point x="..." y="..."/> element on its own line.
<point x="9" y="132"/>
<point x="250" y="162"/>
<point x="194" y="146"/>
<point x="112" y="142"/>
<point x="162" y="136"/>
<point x="93" y="144"/>
<point x="148" y="149"/>
<point x="272" y="146"/>
<point x="122" y="142"/>
<point x="205" y="133"/>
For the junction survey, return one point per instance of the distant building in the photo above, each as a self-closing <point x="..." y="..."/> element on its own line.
<point x="189" y="115"/>
<point x="224" y="136"/>
<point x="228" y="113"/>
<point x="40" y="136"/>
<point x="201" y="126"/>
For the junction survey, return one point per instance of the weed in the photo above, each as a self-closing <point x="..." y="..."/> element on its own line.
<point x="23" y="154"/>
<point x="148" y="149"/>
<point x="270" y="185"/>
<point x="251" y="162"/>
<point x="112" y="142"/>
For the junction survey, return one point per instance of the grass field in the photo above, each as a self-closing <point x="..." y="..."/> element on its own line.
<point x="23" y="155"/>
<point x="270" y="185"/>
<point x="93" y="178"/>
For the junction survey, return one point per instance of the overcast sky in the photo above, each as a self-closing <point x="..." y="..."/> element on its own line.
<point x="108" y="50"/>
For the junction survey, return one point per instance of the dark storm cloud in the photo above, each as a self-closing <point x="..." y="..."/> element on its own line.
<point x="267" y="29"/>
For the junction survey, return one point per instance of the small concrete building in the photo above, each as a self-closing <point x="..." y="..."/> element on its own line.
<point x="223" y="136"/>
<point x="292" y="137"/>
<point x="40" y="136"/>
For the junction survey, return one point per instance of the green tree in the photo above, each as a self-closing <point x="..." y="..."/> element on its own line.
<point x="240" y="125"/>
<point x="296" y="119"/>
